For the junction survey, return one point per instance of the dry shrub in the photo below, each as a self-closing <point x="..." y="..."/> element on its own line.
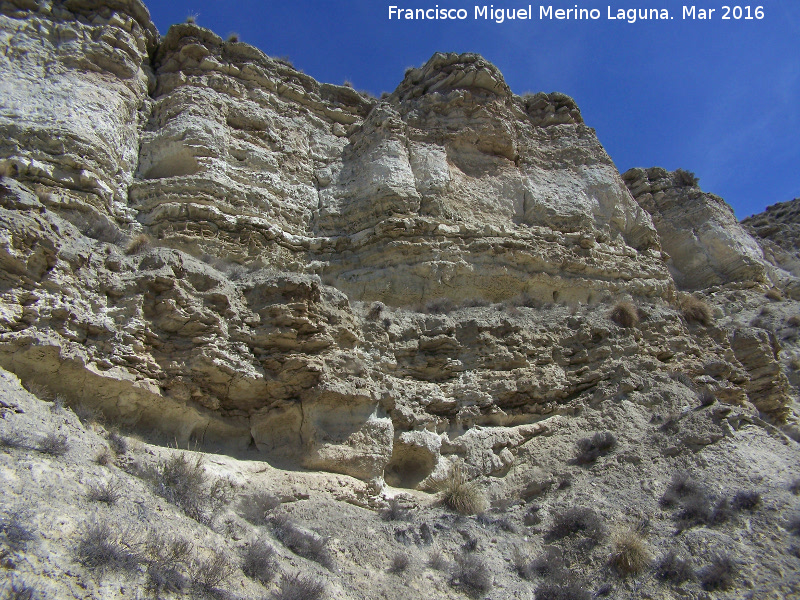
<point x="255" y="507"/>
<point x="630" y="555"/>
<point x="300" y="587"/>
<point x="719" y="575"/>
<point x="793" y="321"/>
<point x="395" y="511"/>
<point x="437" y="560"/>
<point x="590" y="449"/>
<point x="117" y="442"/>
<point x="16" y="532"/>
<point x="304" y="543"/>
<point x="375" y="311"/>
<point x="686" y="178"/>
<point x="460" y="493"/>
<point x="439" y="306"/>
<point x="472" y="574"/>
<point x="208" y="573"/>
<point x="563" y="590"/>
<point x="400" y="563"/>
<point x="682" y="485"/>
<point x="100" y="546"/>
<point x="675" y="568"/>
<point x="624" y="314"/>
<point x="168" y="558"/>
<point x="745" y="500"/>
<point x="258" y="562"/>
<point x="696" y="310"/>
<point x="54" y="444"/>
<point x="577" y="520"/>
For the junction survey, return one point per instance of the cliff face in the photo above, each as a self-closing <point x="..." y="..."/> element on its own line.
<point x="321" y="265"/>
<point x="704" y="240"/>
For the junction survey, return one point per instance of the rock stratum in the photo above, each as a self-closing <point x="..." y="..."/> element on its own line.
<point x="209" y="247"/>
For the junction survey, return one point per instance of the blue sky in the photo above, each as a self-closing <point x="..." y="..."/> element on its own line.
<point x="717" y="97"/>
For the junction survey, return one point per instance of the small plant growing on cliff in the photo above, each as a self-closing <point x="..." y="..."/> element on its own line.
<point x="696" y="310"/>
<point x="303" y="543"/>
<point x="255" y="507"/>
<point x="191" y="18"/>
<point x="258" y="562"/>
<point x="472" y="574"/>
<point x="675" y="568"/>
<point x="686" y="178"/>
<point x="17" y="534"/>
<point x="375" y="311"/>
<point x="578" y="520"/>
<point x="233" y="38"/>
<point x="630" y="555"/>
<point x="300" y="587"/>
<point x="624" y="314"/>
<point x="138" y="243"/>
<point x="54" y="444"/>
<point x="590" y="449"/>
<point x="719" y="575"/>
<point x="107" y="492"/>
<point x="460" y="493"/>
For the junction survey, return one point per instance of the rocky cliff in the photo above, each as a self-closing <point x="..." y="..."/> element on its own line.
<point x="207" y="246"/>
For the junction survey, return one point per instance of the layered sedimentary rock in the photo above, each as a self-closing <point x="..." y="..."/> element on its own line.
<point x="778" y="231"/>
<point x="704" y="240"/>
<point x="295" y="230"/>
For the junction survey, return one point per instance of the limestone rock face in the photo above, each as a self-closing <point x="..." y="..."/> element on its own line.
<point x="207" y="245"/>
<point x="778" y="231"/>
<point x="706" y="244"/>
<point x="74" y="80"/>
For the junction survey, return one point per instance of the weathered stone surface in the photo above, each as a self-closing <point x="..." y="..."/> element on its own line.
<point x="278" y="209"/>
<point x="698" y="231"/>
<point x="778" y="231"/>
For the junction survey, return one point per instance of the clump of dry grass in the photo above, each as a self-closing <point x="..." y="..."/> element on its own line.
<point x="630" y="555"/>
<point x="400" y="563"/>
<point x="774" y="294"/>
<point x="624" y="314"/>
<point x="138" y="243"/>
<point x="696" y="310"/>
<point x="106" y="492"/>
<point x="460" y="493"/>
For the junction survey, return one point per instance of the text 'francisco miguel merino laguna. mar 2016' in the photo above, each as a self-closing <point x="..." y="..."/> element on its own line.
<point x="575" y="13"/>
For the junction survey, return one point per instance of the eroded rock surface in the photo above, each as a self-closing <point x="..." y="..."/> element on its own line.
<point x="706" y="244"/>
<point x="371" y="287"/>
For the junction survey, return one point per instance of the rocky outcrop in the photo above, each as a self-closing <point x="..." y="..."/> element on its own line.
<point x="698" y="231"/>
<point x="778" y="231"/>
<point x="234" y="254"/>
